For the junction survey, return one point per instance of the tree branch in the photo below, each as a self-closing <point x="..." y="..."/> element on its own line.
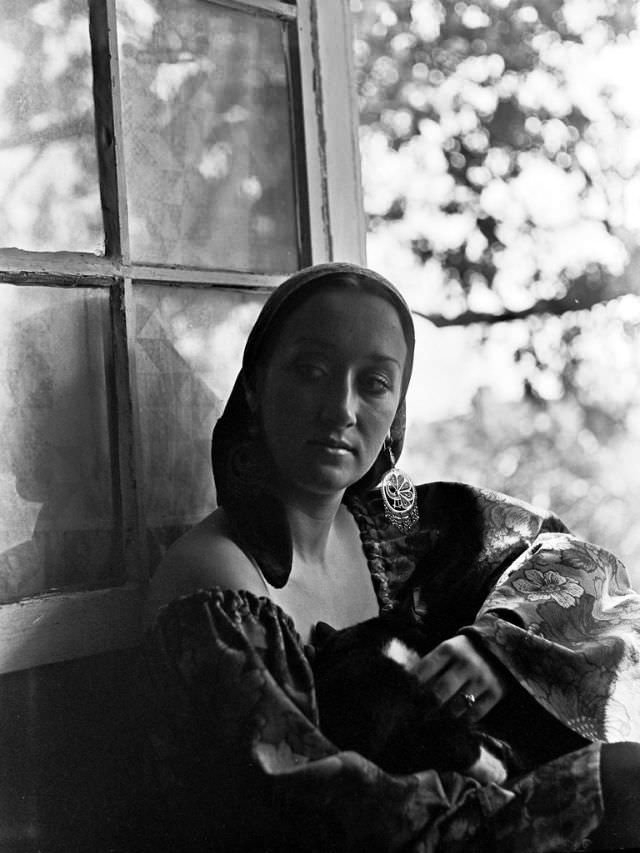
<point x="81" y="125"/>
<point x="555" y="307"/>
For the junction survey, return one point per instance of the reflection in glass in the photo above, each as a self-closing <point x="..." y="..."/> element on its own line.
<point x="189" y="349"/>
<point x="49" y="197"/>
<point x="207" y="145"/>
<point x="56" y="527"/>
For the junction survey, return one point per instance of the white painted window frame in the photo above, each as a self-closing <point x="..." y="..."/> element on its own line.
<point x="60" y="626"/>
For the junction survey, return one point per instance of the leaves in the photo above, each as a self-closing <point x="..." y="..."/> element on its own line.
<point x="525" y="147"/>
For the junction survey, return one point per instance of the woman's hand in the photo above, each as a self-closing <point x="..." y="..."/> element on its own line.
<point x="458" y="674"/>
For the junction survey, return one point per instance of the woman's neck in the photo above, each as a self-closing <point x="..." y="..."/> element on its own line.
<point x="312" y="521"/>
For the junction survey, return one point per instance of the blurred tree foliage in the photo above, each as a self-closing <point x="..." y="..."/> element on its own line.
<point x="501" y="164"/>
<point x="49" y="194"/>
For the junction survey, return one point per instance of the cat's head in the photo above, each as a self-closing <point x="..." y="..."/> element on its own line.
<point x="377" y="638"/>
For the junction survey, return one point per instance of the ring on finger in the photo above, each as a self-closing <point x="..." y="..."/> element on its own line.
<point x="470" y="700"/>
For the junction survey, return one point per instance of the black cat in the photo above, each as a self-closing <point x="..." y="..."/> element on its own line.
<point x="370" y="701"/>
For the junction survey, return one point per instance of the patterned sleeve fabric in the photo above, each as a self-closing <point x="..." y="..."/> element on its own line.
<point x="243" y="766"/>
<point x="564" y="620"/>
<point x="557" y="612"/>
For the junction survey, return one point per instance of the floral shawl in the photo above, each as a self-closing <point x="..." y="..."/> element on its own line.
<point x="237" y="745"/>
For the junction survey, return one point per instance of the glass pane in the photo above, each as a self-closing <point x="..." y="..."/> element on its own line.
<point x="208" y="152"/>
<point x="189" y="349"/>
<point x="49" y="196"/>
<point x="56" y="513"/>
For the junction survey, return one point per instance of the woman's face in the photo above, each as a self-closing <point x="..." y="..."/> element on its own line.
<point x="331" y="389"/>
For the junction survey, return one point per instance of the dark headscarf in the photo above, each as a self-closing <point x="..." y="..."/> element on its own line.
<point x="240" y="461"/>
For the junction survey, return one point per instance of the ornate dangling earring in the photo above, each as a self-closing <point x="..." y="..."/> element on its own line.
<point x="399" y="496"/>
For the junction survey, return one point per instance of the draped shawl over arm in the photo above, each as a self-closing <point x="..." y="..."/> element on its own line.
<point x="240" y="757"/>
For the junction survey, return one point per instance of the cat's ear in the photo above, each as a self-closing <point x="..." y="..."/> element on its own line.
<point x="322" y="633"/>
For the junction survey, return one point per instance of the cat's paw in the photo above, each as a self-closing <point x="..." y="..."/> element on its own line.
<point x="488" y="768"/>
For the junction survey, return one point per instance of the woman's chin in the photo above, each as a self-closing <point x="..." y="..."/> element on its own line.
<point x="328" y="480"/>
<point x="332" y="482"/>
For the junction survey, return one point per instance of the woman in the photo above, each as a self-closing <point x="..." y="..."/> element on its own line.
<point x="315" y="419"/>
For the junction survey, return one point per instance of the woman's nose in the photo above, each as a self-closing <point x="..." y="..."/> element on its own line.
<point x="339" y="405"/>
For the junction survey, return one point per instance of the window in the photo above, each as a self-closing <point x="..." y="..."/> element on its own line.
<point x="164" y="165"/>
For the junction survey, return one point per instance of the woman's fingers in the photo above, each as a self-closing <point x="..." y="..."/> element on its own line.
<point x="430" y="665"/>
<point x="481" y="706"/>
<point x="449" y="683"/>
<point x="456" y="674"/>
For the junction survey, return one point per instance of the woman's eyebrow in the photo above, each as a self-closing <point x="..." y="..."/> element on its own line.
<point x="380" y="357"/>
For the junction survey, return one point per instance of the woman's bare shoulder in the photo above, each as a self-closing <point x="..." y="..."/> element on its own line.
<point x="204" y="557"/>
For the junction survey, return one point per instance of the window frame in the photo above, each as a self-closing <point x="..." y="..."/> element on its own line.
<point x="57" y="626"/>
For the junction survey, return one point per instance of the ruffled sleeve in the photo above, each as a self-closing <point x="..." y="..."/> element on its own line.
<point x="243" y="765"/>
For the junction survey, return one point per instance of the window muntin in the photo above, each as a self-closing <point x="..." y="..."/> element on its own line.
<point x="49" y="194"/>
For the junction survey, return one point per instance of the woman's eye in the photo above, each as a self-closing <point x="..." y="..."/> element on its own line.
<point x="309" y="371"/>
<point x="376" y="384"/>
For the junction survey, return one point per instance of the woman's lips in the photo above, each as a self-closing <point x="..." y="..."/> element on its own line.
<point x="332" y="445"/>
